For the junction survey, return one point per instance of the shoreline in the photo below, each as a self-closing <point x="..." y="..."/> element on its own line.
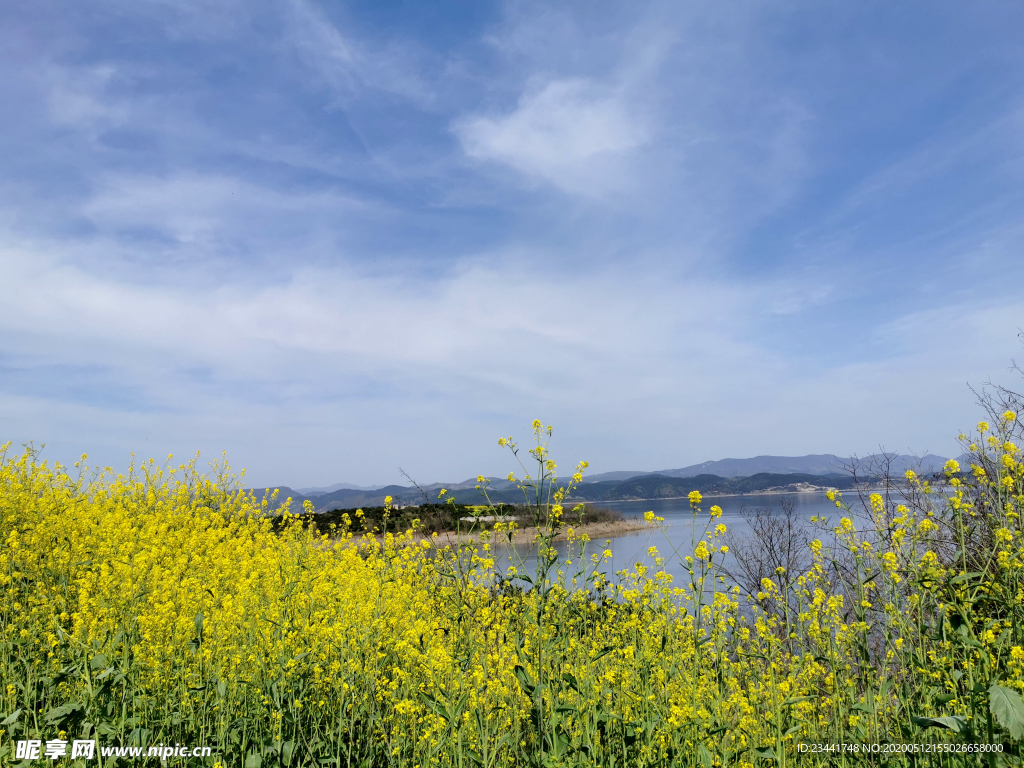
<point x="595" y="531"/>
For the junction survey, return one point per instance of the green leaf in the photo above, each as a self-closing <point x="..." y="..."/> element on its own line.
<point x="966" y="577"/>
<point x="254" y="760"/>
<point x="952" y="723"/>
<point x="58" y="714"/>
<point x="560" y="742"/>
<point x="439" y="709"/>
<point x="1007" y="707"/>
<point x="11" y="719"/>
<point x="795" y="700"/>
<point x="525" y="681"/>
<point x="766" y="752"/>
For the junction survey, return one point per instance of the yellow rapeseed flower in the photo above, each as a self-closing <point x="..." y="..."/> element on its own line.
<point x="701" y="551"/>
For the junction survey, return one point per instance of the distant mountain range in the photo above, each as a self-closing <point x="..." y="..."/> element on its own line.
<point x="311" y="492"/>
<point x="812" y="464"/>
<point x="725" y="476"/>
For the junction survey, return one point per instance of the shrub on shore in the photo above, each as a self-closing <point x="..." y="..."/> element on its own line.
<point x="428" y="518"/>
<point x="434" y="518"/>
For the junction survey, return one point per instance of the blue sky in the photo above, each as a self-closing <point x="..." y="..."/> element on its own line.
<point x="336" y="239"/>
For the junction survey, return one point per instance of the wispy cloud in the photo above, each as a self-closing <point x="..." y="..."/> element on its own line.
<point x="200" y="209"/>
<point x="76" y="97"/>
<point x="350" y="66"/>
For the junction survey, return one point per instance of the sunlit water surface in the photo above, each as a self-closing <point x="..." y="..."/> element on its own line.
<point x="676" y="536"/>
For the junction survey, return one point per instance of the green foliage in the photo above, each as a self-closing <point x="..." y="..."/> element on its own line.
<point x="1008" y="709"/>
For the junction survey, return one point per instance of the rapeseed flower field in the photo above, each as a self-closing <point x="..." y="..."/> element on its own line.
<point x="162" y="606"/>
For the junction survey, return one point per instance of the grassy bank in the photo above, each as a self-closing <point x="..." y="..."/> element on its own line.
<point x="160" y="607"/>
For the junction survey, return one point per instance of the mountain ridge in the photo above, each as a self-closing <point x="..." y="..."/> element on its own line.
<point x="810" y="464"/>
<point x="624" y="485"/>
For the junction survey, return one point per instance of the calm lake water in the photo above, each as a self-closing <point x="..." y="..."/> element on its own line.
<point x="631" y="548"/>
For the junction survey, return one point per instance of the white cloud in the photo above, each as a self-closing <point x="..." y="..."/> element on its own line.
<point x="572" y="133"/>
<point x="384" y="322"/>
